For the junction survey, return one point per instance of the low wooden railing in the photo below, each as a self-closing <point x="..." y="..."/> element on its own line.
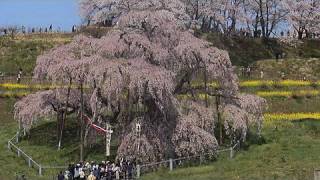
<point x="31" y="162"/>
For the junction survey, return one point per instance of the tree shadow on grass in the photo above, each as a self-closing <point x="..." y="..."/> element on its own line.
<point x="253" y="139"/>
<point x="311" y="126"/>
<point x="45" y="134"/>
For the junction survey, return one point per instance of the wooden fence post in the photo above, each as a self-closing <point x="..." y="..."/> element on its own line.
<point x="17" y="137"/>
<point x="29" y="162"/>
<point x="40" y="171"/>
<point x="316" y="174"/>
<point x="231" y="153"/>
<point x="171" y="164"/>
<point x="138" y="171"/>
<point x="18" y="152"/>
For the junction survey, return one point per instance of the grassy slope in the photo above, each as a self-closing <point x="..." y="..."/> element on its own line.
<point x="293" y="68"/>
<point x="23" y="51"/>
<point x="41" y="145"/>
<point x="291" y="151"/>
<point x="42" y="142"/>
<point x="295" y="146"/>
<point x="244" y="51"/>
<point x="10" y="164"/>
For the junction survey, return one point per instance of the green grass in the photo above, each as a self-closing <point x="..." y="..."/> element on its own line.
<point x="293" y="105"/>
<point x="291" y="151"/>
<point x="245" y="51"/>
<point x="294" y="68"/>
<point x="23" y="51"/>
<point x="10" y="164"/>
<point x="42" y="146"/>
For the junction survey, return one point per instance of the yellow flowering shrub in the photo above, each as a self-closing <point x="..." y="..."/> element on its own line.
<point x="250" y="83"/>
<point x="291" y="116"/>
<point x="288" y="93"/>
<point x="285" y="83"/>
<point x="35" y="86"/>
<point x="14" y="86"/>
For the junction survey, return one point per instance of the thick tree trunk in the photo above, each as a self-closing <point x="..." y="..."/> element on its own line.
<point x="186" y="77"/>
<point x="64" y="115"/>
<point x="262" y="21"/>
<point x="255" y="33"/>
<point x="300" y="34"/>
<point x="59" y="126"/>
<point x="219" y="119"/>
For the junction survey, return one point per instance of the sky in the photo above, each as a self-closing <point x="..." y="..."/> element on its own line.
<point x="61" y="14"/>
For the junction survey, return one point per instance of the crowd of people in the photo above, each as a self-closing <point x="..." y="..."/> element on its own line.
<point x="34" y="30"/>
<point x="99" y="171"/>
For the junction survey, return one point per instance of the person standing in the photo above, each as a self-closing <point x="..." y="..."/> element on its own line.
<point x="261" y="74"/>
<point x="116" y="170"/>
<point x="130" y="170"/>
<point x="248" y="71"/>
<point x="19" y="76"/>
<point x="91" y="177"/>
<point x="283" y="76"/>
<point x="60" y="176"/>
<point x="82" y="174"/>
<point x="77" y="172"/>
<point x="124" y="169"/>
<point x="71" y="169"/>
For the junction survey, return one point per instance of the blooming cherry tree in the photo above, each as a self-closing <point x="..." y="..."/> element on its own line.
<point x="135" y="72"/>
<point x="304" y="16"/>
